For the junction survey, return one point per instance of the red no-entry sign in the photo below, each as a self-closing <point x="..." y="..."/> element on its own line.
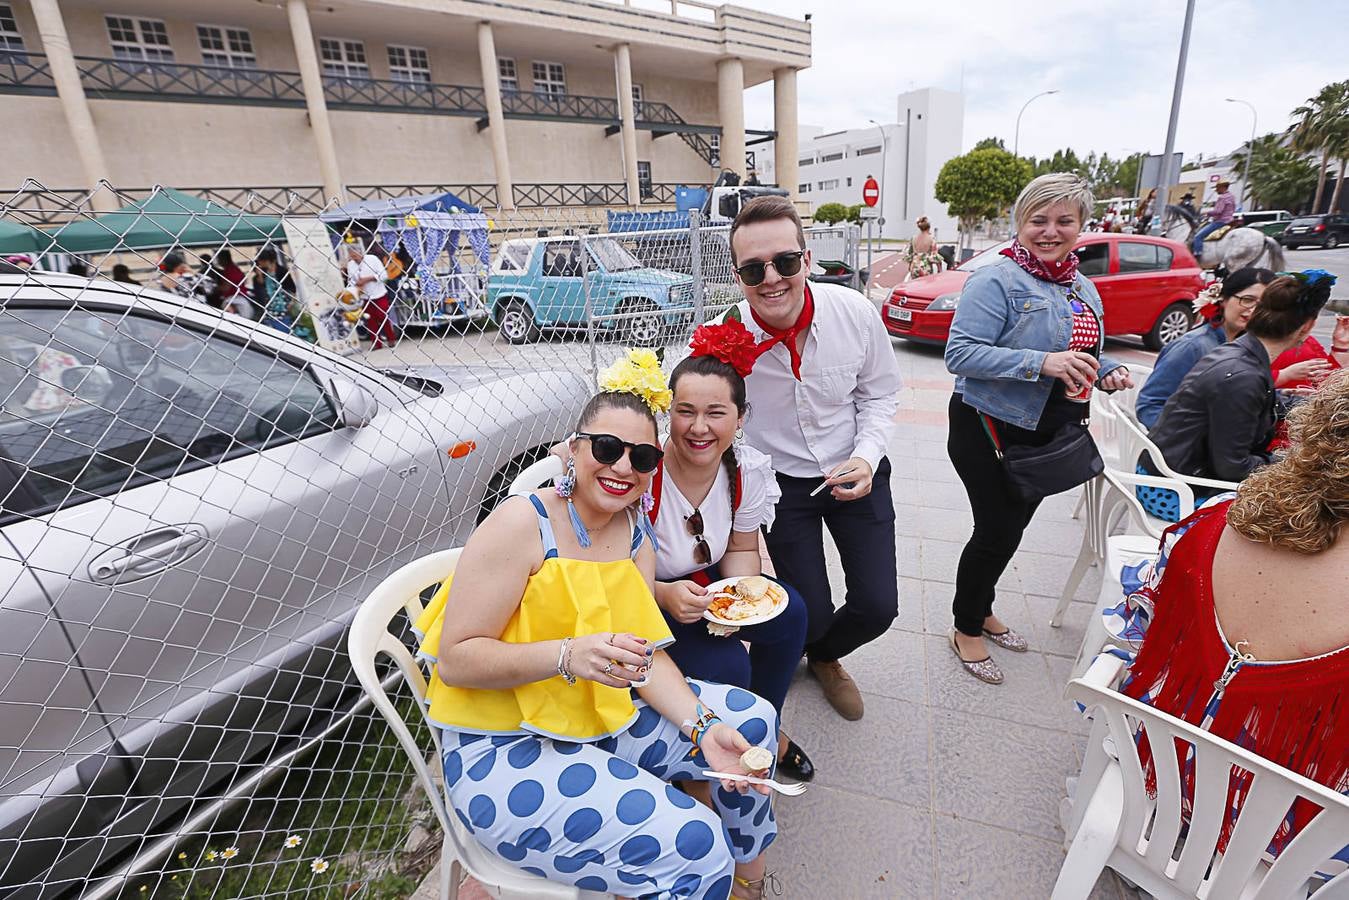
<point x="871" y="192"/>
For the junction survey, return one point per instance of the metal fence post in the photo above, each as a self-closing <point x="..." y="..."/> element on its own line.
<point x="589" y="306"/>
<point x="696" y="263"/>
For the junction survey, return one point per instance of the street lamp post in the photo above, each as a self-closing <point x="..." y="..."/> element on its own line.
<point x="1250" y="150"/>
<point x="1016" y="139"/>
<point x="1163" y="175"/>
<point x="885" y="145"/>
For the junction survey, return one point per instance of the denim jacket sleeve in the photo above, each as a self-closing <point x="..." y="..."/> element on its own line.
<point x="981" y="320"/>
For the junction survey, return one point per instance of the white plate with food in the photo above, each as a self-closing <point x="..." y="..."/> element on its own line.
<point x="746" y="600"/>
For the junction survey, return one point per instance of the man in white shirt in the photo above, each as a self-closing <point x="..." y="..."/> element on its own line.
<point x="823" y="396"/>
<point x="365" y="275"/>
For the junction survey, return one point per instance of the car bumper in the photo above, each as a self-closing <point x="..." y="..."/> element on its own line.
<point x="923" y="326"/>
<point x="1302" y="240"/>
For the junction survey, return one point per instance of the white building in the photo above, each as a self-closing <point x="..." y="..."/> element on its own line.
<point x="904" y="157"/>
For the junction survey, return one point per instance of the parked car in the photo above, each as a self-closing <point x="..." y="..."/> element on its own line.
<point x="1328" y="231"/>
<point x="1147" y="284"/>
<point x="1271" y="222"/>
<point x="546" y="283"/>
<point x="193" y="507"/>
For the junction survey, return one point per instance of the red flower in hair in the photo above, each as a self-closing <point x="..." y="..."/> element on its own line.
<point x="729" y="342"/>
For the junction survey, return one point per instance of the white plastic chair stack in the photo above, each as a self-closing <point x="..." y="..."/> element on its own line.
<point x="1114" y="823"/>
<point x="370" y="638"/>
<point x="537" y="475"/>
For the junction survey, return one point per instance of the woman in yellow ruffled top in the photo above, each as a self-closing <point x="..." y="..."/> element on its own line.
<point x="564" y="721"/>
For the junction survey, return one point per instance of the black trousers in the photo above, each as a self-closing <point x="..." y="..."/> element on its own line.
<point x="1000" y="515"/>
<point x="864" y="531"/>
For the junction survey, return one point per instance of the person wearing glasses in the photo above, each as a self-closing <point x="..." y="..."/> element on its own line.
<point x="825" y="383"/>
<point x="710" y="496"/>
<point x="1224" y="308"/>
<point x="563" y="719"/>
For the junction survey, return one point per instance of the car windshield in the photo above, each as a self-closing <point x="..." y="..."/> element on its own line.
<point x="987" y="258"/>
<point x="612" y="255"/>
<point x="1307" y="220"/>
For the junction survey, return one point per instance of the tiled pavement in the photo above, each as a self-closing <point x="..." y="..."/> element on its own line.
<point x="947" y="787"/>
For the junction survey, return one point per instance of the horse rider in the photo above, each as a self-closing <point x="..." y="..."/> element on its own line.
<point x="1224" y="210"/>
<point x="1187" y="206"/>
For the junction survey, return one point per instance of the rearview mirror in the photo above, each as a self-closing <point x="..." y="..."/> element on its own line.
<point x="355" y="405"/>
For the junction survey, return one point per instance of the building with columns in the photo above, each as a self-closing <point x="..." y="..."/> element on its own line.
<point x="904" y="156"/>
<point x="549" y="103"/>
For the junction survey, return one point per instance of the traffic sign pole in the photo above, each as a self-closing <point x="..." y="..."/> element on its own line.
<point x="871" y="195"/>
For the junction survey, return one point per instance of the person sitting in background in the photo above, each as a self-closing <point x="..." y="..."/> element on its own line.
<point x="175" y="277"/>
<point x="1304" y="367"/>
<point x="232" y="285"/>
<point x="122" y="274"/>
<point x="78" y="269"/>
<point x="1220" y="421"/>
<point x="1224" y="308"/>
<point x="1247" y="627"/>
<point x="547" y="639"/>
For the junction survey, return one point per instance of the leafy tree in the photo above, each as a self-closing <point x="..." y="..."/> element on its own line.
<point x="1322" y="127"/>
<point x="980" y="185"/>
<point x="830" y="213"/>
<point x="854" y="213"/>
<point x="991" y="143"/>
<point x="1126" y="174"/>
<point x="1276" y="176"/>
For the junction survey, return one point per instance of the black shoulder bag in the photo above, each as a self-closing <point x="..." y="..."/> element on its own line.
<point x="1069" y="459"/>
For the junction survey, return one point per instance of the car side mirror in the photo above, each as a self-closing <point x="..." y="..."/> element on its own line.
<point x="88" y="384"/>
<point x="356" y="406"/>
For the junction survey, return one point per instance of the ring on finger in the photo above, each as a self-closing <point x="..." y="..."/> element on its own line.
<point x="608" y="668"/>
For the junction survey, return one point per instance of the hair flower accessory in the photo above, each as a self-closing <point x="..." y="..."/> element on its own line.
<point x="729" y="342"/>
<point x="1316" y="285"/>
<point x="639" y="373"/>
<point x="1206" y="304"/>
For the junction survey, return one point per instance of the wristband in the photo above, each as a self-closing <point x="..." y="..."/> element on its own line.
<point x="706" y="719"/>
<point x="1334" y="349"/>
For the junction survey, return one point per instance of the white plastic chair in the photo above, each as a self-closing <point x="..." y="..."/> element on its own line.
<point x="1114" y="823"/>
<point x="537" y="475"/>
<point x="370" y="638"/>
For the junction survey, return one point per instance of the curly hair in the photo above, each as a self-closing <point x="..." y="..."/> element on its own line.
<point x="1301" y="502"/>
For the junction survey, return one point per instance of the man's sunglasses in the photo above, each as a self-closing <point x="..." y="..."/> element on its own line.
<point x="608" y="449"/>
<point x="785" y="264"/>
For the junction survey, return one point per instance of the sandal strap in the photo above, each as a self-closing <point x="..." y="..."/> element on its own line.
<point x="768" y="882"/>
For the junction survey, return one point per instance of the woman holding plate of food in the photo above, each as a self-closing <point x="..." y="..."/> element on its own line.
<point x="711" y="495"/>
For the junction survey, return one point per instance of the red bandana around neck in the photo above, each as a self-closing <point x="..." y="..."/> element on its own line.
<point x="787" y="336"/>
<point x="1061" y="272"/>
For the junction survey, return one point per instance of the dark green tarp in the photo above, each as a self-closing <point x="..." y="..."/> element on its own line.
<point x="17" y="238"/>
<point x="167" y="218"/>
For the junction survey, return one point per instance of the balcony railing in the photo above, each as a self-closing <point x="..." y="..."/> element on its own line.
<point x="126" y="79"/>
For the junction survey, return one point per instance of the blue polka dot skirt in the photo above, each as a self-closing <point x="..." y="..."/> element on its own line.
<point x="602" y="816"/>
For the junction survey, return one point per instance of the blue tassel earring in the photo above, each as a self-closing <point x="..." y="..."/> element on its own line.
<point x="565" y="487"/>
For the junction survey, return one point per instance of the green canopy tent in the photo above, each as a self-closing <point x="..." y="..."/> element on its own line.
<point x="167" y="218"/>
<point x="18" y="238"/>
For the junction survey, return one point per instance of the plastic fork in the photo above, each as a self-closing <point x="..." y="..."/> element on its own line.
<point x="788" y="790"/>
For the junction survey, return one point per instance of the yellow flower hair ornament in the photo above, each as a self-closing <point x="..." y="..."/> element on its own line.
<point x="639" y="373"/>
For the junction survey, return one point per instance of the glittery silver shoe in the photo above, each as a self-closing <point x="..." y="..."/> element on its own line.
<point x="1008" y="640"/>
<point x="986" y="670"/>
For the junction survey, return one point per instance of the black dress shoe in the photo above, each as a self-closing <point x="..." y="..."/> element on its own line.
<point x="795" y="764"/>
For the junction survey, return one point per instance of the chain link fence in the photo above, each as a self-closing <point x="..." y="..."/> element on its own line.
<point x="220" y="427"/>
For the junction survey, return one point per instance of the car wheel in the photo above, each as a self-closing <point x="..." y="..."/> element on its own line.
<point x="1171" y="325"/>
<point x="517" y="324"/>
<point x="1332" y="241"/>
<point x="645" y="330"/>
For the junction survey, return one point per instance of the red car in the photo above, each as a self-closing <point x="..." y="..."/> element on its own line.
<point x="1147" y="284"/>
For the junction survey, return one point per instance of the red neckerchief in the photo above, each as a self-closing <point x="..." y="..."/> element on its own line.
<point x="787" y="336"/>
<point x="1061" y="272"/>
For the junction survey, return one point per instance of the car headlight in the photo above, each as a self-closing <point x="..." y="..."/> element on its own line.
<point x="945" y="302"/>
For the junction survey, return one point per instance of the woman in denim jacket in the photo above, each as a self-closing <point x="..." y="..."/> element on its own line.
<point x="1023" y="349"/>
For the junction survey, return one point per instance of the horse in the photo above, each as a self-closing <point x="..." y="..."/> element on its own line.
<point x="1238" y="247"/>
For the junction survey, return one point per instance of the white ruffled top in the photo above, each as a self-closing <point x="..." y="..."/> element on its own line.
<point x="759" y="494"/>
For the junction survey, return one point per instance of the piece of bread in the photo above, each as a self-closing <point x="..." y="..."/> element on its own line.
<point x="757" y="759"/>
<point x="753" y="588"/>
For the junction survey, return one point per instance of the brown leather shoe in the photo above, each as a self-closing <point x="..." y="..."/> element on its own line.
<point x="839" y="689"/>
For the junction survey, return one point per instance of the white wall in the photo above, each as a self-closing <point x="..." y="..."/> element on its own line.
<point x="935" y="120"/>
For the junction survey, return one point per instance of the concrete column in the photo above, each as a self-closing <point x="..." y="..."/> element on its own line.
<point x="786" y="152"/>
<point x="627" y="114"/>
<point x="312" y="79"/>
<point x="731" y="111"/>
<point x="74" y="104"/>
<point x="496" y="116"/>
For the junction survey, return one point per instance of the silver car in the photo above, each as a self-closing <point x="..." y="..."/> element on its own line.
<point x="191" y="507"/>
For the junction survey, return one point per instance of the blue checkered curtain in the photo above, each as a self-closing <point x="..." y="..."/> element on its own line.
<point x="424" y="244"/>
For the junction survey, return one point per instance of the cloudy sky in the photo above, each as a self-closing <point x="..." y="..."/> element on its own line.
<point x="1114" y="62"/>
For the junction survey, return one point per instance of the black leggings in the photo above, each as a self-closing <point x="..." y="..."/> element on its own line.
<point x="1000" y="515"/>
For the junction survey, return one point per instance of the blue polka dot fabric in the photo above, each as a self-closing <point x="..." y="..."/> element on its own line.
<point x="1158" y="502"/>
<point x="602" y="816"/>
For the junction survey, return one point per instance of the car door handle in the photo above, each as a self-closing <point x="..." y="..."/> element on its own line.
<point x="148" y="553"/>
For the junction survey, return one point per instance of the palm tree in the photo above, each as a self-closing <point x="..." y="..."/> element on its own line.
<point x="1320" y="126"/>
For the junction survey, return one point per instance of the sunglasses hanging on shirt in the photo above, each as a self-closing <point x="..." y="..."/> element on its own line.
<point x="702" y="553"/>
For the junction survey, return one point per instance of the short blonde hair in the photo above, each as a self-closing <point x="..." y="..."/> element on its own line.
<point x="1056" y="187"/>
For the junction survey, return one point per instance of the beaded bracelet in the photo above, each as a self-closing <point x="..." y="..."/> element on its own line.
<point x="706" y="719"/>
<point x="564" y="661"/>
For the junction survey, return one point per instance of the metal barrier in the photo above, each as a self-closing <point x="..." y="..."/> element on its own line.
<point x="205" y="469"/>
